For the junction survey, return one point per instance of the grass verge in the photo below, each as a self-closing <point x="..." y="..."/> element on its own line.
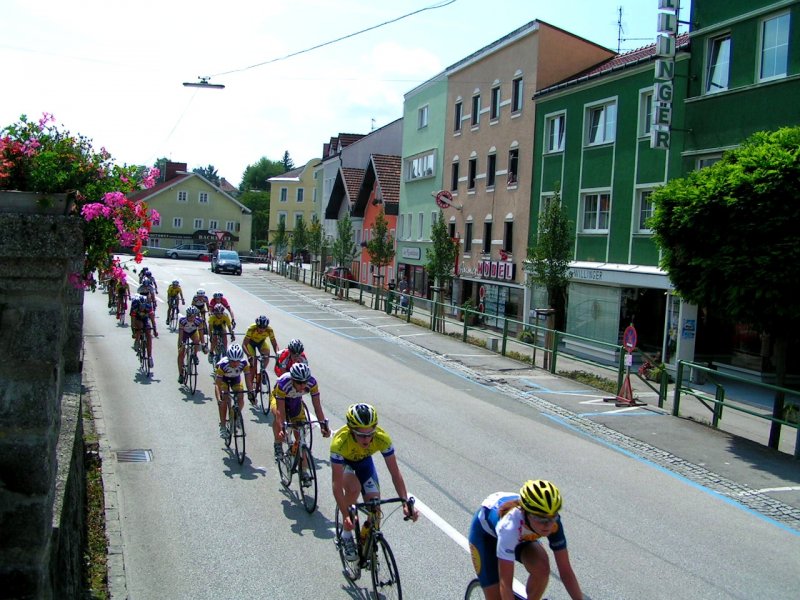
<point x="95" y="569"/>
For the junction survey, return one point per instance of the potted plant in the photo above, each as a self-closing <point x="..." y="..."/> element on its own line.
<point x="51" y="167"/>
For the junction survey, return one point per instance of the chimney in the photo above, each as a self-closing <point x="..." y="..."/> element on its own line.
<point x="171" y="170"/>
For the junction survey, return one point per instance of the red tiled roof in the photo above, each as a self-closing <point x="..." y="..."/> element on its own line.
<point x="352" y="181"/>
<point x="387" y="171"/>
<point x="348" y="138"/>
<point x="143" y="194"/>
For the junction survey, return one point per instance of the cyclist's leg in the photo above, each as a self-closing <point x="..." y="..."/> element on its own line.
<point x="276" y="422"/>
<point x="250" y="351"/>
<point x="367" y="476"/>
<point x="239" y="392"/>
<point x="181" y="352"/>
<point x="534" y="557"/>
<point x="483" y="549"/>
<point x="221" y="391"/>
<point x="195" y="344"/>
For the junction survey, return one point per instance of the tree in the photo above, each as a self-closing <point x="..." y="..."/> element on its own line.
<point x="730" y="242"/>
<point x="299" y="237"/>
<point x="316" y="241"/>
<point x="255" y="176"/>
<point x="280" y="239"/>
<point x="441" y="260"/>
<point x="288" y="163"/>
<point x="380" y="247"/>
<point x="209" y="173"/>
<point x="344" y="248"/>
<point x="549" y="257"/>
<point x="258" y="203"/>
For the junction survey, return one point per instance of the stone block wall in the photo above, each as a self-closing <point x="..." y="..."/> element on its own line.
<point x="41" y="322"/>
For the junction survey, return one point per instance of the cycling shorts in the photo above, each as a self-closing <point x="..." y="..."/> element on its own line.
<point x="292" y="408"/>
<point x="367" y="475"/>
<point x="483" y="548"/>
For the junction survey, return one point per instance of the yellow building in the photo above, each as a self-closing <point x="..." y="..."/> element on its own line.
<point x="293" y="196"/>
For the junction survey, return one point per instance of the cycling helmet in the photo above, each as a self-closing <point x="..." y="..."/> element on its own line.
<point x="540" y="497"/>
<point x="262" y="321"/>
<point x="300" y="372"/>
<point x="175" y="282"/>
<point x="235" y="352"/>
<point x="219" y="309"/>
<point x="295" y="346"/>
<point x="361" y="415"/>
<point x="200" y="292"/>
<point x="143" y="289"/>
<point x="192" y="311"/>
<point x="218" y="295"/>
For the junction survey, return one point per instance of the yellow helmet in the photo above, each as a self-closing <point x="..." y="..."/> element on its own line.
<point x="540" y="497"/>
<point x="362" y="415"/>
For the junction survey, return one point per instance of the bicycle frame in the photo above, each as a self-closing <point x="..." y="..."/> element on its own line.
<point x="372" y="509"/>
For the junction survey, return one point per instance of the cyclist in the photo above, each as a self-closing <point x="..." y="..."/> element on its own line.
<point x="146" y="289"/>
<point x="143" y="319"/>
<point x="174" y="292"/>
<point x="220" y="299"/>
<point x="145" y="272"/>
<point x="200" y="302"/>
<point x="292" y="354"/>
<point x="256" y="339"/>
<point x="218" y="322"/>
<point x="353" y="471"/>
<point x="227" y="374"/>
<point x="286" y="402"/>
<point x="121" y="295"/>
<point x="190" y="327"/>
<point x="508" y="527"/>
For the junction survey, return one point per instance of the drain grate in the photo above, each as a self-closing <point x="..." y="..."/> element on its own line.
<point x="134" y="455"/>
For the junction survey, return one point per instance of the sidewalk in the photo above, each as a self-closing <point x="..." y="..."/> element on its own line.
<point x="737" y="449"/>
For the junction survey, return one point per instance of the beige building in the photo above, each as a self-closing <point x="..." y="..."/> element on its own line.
<point x="293" y="196"/>
<point x="193" y="210"/>
<point x="488" y="154"/>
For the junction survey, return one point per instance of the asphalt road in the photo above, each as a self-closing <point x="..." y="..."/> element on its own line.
<point x="192" y="523"/>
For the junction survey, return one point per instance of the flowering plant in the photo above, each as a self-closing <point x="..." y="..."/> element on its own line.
<point x="37" y="156"/>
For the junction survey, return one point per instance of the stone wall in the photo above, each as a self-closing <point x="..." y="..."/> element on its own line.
<point x="41" y="323"/>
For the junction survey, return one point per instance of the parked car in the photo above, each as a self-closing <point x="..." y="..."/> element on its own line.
<point x="195" y="251"/>
<point x="337" y="275"/>
<point x="226" y="261"/>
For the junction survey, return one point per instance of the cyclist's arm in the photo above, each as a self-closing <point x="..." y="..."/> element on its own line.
<point x="567" y="575"/>
<point x="273" y="341"/>
<point x="337" y="477"/>
<point x="506" y="571"/>
<point x="315" y="400"/>
<point x="397" y="480"/>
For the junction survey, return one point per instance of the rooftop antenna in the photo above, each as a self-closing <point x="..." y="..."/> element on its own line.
<point x="621" y="30"/>
<point x="372" y="125"/>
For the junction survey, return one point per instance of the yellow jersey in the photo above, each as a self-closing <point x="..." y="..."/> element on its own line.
<point x="345" y="450"/>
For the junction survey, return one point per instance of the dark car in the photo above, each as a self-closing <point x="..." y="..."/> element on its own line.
<point x="226" y="261"/>
<point x="337" y="275"/>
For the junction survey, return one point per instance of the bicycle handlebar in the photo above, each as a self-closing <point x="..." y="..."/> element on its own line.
<point x="299" y="424"/>
<point x="376" y="502"/>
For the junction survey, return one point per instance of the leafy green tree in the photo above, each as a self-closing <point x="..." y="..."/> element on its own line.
<point x="280" y="239"/>
<point x="549" y="257"/>
<point x="300" y="236"/>
<point x="258" y="202"/>
<point x="441" y="260"/>
<point x="255" y="176"/>
<point x="316" y="242"/>
<point x="209" y="173"/>
<point x="344" y="246"/>
<point x="380" y="247"/>
<point x="288" y="163"/>
<point x="730" y="242"/>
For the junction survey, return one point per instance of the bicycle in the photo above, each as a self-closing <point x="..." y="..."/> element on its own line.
<point x="261" y="383"/>
<point x="296" y="451"/>
<point x="217" y="350"/>
<point x="235" y="425"/>
<point x="189" y="369"/>
<point x="173" y="313"/>
<point x="374" y="552"/>
<point x="122" y="308"/>
<point x="142" y="353"/>
<point x="474" y="591"/>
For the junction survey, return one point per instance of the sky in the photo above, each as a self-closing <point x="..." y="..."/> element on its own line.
<point x="113" y="71"/>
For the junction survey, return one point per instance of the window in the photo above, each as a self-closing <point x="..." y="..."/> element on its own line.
<point x="473" y="171"/>
<point x="202" y="197"/>
<point x="297" y="218"/>
<point x="177" y="223"/>
<point x="212" y="224"/>
<point x="434" y="219"/>
<point x="487" y="237"/>
<point x="230" y="226"/>
<point x="516" y="95"/>
<point x="491" y="169"/>
<point x="314" y="195"/>
<point x="451" y="230"/>
<point x="198" y="223"/>
<point x="468" y="237"/>
<point x="645" y="113"/>
<point x="284" y="194"/>
<point x="421" y="219"/>
<point x="774" y="46"/>
<point x="422" y="117"/>
<point x="645" y="207"/>
<point x="400" y="226"/>
<point x="301" y="193"/>
<point x="282" y="215"/>
<point x="476" y="110"/>
<point x="513" y="162"/>
<point x="420" y="166"/>
<point x="554" y="129"/>
<point x="707" y="161"/>
<point x="508" y="238"/>
<point x="457" y="116"/>
<point x="601" y="123"/>
<point x="454" y="177"/>
<point x="183" y="196"/>
<point x="494" y="113"/>
<point x="596" y="210"/>
<point x="718" y="71"/>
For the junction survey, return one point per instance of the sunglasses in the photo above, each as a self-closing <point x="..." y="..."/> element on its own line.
<point x="364" y="434"/>
<point x="542" y="520"/>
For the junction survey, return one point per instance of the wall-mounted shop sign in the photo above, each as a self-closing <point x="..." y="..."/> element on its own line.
<point x="413" y="253"/>
<point x="665" y="73"/>
<point x="497" y="269"/>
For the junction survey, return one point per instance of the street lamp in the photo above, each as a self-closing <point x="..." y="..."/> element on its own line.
<point x="203" y="83"/>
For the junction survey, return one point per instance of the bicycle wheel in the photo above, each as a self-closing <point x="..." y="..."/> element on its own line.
<point x="229" y="424"/>
<point x="263" y="391"/>
<point x="286" y="463"/>
<point x="352" y="569"/>
<point x="308" y="490"/>
<point x="308" y="427"/>
<point x="474" y="591"/>
<point x="144" y="361"/>
<point x="191" y="373"/>
<point x="238" y="434"/>
<point x="385" y="578"/>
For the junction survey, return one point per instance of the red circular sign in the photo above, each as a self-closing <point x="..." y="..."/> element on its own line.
<point x="629" y="338"/>
<point x="481" y="307"/>
<point x="444" y="199"/>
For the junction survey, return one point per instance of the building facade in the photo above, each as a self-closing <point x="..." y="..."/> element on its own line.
<point x="293" y="198"/>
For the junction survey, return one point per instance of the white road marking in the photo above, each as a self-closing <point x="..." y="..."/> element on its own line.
<point x="792" y="488"/>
